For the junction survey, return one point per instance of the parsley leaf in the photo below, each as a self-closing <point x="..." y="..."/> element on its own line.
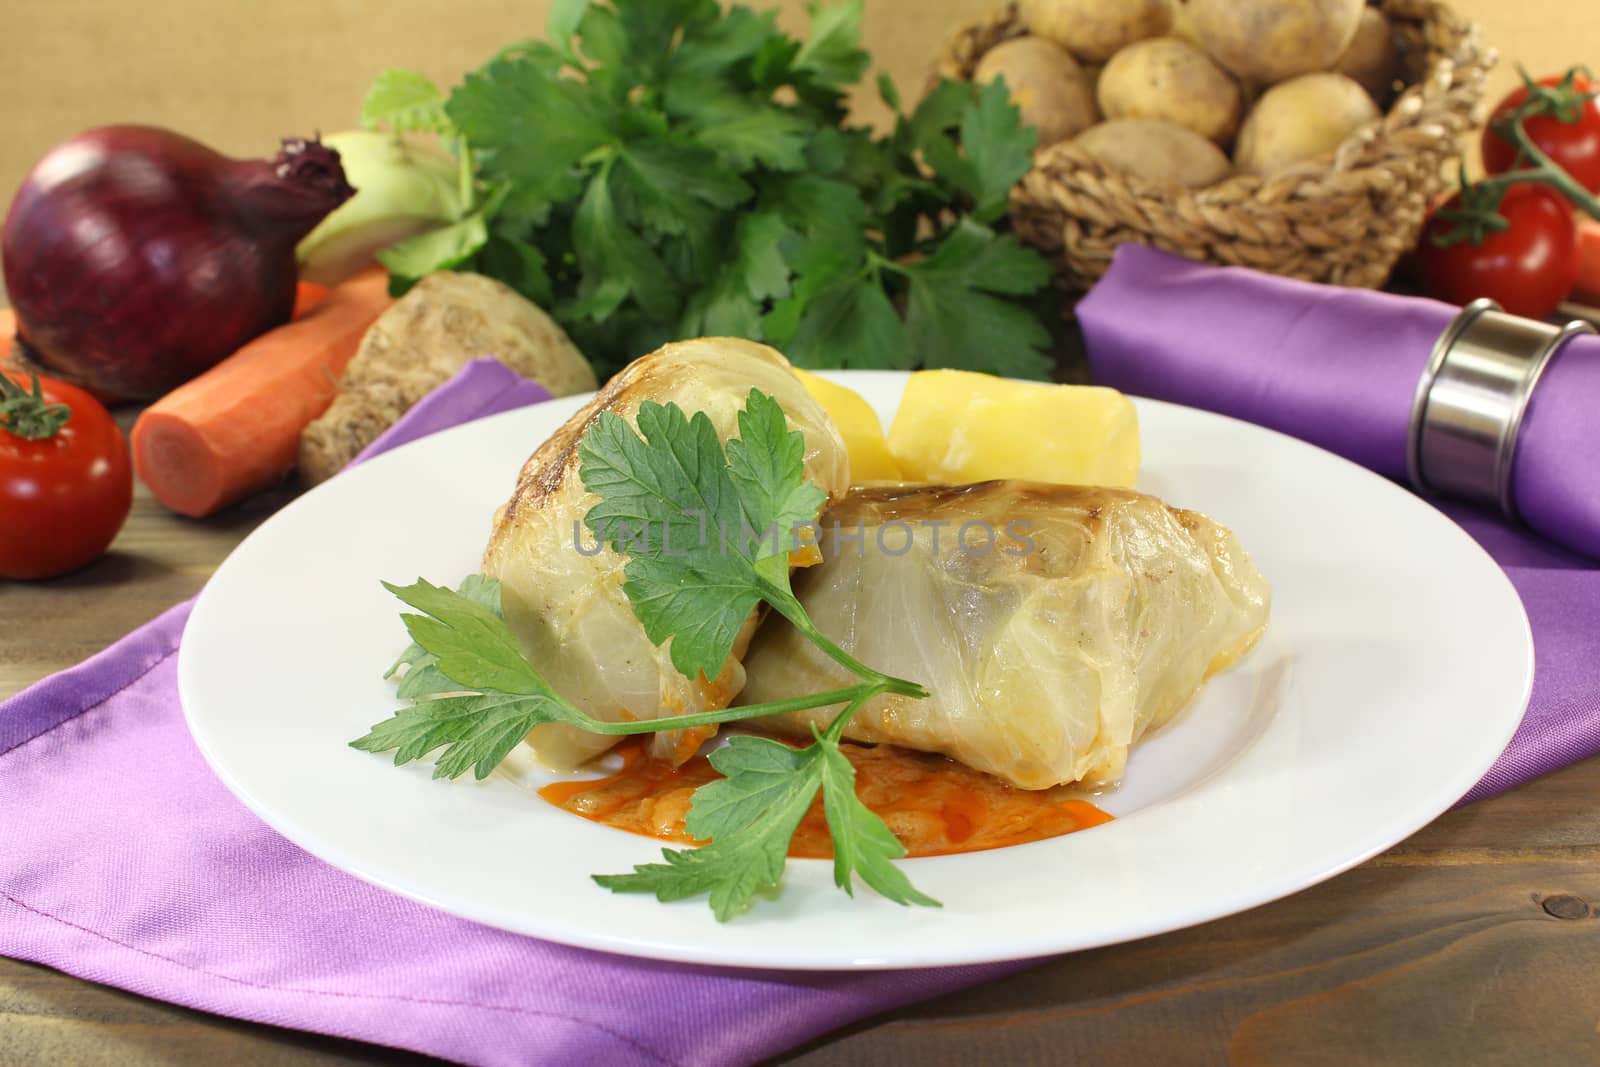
<point x="476" y="731"/>
<point x="994" y="149"/>
<point x="999" y="147"/>
<point x="721" y="50"/>
<point x="851" y="323"/>
<point x="406" y="102"/>
<point x="562" y="24"/>
<point x="732" y="306"/>
<point x="516" y="262"/>
<point x="461" y="642"/>
<point x="469" y="641"/>
<point x="751" y="815"/>
<point x="662" y="497"/>
<point x="672" y="187"/>
<point x="766" y="463"/>
<point x="746" y="135"/>
<point x="616" y="262"/>
<point x="954" y="321"/>
<point x="863" y="844"/>
<point x="697" y="523"/>
<point x="832" y="53"/>
<point x="422" y="676"/>
<point x="525" y="121"/>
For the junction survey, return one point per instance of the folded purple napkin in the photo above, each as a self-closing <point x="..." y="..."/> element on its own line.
<point x="126" y="862"/>
<point x="1339" y="368"/>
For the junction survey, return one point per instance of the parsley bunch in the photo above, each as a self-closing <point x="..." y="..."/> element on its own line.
<point x="736" y="513"/>
<point x="662" y="169"/>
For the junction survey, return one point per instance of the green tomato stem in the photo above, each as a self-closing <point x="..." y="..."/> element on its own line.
<point x="1544" y="171"/>
<point x="25" y="413"/>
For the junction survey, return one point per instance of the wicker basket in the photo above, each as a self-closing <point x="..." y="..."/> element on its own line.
<point x="1346" y="220"/>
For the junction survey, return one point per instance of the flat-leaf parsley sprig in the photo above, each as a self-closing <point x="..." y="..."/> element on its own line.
<point x="708" y="531"/>
<point x="663" y="169"/>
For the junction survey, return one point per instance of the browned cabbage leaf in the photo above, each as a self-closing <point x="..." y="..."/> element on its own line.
<point x="1094" y="615"/>
<point x="567" y="607"/>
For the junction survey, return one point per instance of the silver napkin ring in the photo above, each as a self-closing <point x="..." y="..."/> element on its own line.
<point x="1470" y="400"/>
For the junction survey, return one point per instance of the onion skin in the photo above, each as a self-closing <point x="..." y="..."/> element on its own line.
<point x="137" y="258"/>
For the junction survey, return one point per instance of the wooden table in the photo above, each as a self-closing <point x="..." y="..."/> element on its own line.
<point x="1474" y="942"/>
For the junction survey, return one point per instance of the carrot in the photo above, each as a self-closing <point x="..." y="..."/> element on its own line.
<point x="1587" y="288"/>
<point x="236" y="428"/>
<point x="8" y="332"/>
<point x="307" y="295"/>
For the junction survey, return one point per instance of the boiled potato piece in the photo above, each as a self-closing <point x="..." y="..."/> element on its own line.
<point x="1270" y="40"/>
<point x="958" y="426"/>
<point x="1097" y="29"/>
<point x="1300" y="120"/>
<point x="858" y="424"/>
<point x="1046" y="84"/>
<point x="1371" y="58"/>
<point x="1174" y="81"/>
<point x="1156" y="151"/>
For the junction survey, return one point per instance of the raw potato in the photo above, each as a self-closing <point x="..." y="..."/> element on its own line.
<point x="958" y="426"/>
<point x="1302" y="119"/>
<point x="1371" y="58"/>
<point x="1156" y="151"/>
<point x="1183" y="24"/>
<point x="445" y="321"/>
<point x="1270" y="40"/>
<point x="1097" y="29"/>
<point x="858" y="424"/>
<point x="1046" y="84"/>
<point x="1172" y="80"/>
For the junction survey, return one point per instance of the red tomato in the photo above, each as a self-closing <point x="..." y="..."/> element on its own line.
<point x="1575" y="146"/>
<point x="1528" y="268"/>
<point x="65" y="496"/>
<point x="1588" y="284"/>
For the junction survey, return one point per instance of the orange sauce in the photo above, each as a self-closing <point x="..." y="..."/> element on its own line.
<point x="934" y="805"/>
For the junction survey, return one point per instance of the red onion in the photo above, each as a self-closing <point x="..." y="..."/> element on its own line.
<point x="136" y="258"/>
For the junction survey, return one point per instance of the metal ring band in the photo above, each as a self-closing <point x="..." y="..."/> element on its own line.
<point x="1506" y="454"/>
<point x="1419" y="401"/>
<point x="1471" y="401"/>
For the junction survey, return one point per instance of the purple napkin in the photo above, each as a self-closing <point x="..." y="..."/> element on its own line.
<point x="126" y="862"/>
<point x="1339" y="367"/>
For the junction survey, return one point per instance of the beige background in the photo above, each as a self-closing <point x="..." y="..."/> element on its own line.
<point x="238" y="74"/>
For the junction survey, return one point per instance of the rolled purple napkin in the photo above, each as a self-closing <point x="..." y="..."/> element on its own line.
<point x="126" y="862"/>
<point x="1337" y="367"/>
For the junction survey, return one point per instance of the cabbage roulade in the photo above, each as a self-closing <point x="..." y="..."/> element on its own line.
<point x="1053" y="625"/>
<point x="562" y="590"/>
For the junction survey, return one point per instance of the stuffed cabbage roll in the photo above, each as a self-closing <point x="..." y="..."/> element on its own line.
<point x="567" y="606"/>
<point x="1053" y="625"/>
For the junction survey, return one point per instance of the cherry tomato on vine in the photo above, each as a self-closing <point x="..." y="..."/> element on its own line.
<point x="1574" y="146"/>
<point x="1528" y="268"/>
<point x="66" y="482"/>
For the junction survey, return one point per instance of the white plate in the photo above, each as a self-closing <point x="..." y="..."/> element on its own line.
<point x="1397" y="664"/>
